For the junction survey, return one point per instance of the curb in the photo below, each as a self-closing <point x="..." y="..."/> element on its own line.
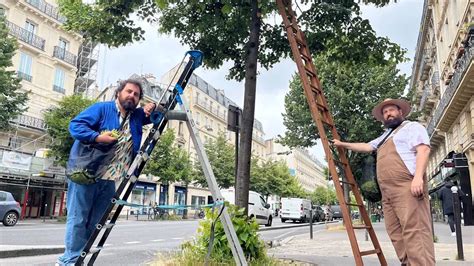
<point x="293" y="226"/>
<point x="30" y="252"/>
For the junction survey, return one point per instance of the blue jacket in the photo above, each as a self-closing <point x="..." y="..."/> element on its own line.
<point x="86" y="126"/>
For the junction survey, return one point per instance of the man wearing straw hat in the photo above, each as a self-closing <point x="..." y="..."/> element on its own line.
<point x="402" y="156"/>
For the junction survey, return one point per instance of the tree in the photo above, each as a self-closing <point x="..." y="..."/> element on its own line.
<point x="169" y="162"/>
<point x="324" y="196"/>
<point x="232" y="30"/>
<point x="368" y="82"/>
<point x="222" y="159"/>
<point x="57" y="121"/>
<point x="12" y="100"/>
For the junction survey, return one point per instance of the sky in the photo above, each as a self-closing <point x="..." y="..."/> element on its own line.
<point x="400" y="22"/>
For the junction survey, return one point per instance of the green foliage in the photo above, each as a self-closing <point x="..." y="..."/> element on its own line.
<point x="222" y="159"/>
<point x="324" y="196"/>
<point x="57" y="121"/>
<point x="168" y="162"/>
<point x="12" y="100"/>
<point x="269" y="177"/>
<point x="246" y="230"/>
<point x="343" y="82"/>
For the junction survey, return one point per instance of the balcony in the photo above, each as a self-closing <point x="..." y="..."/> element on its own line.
<point x="25" y="35"/>
<point x="29" y="122"/>
<point x="424" y="96"/>
<point x="204" y="105"/>
<point x="460" y="72"/>
<point x="64" y="55"/>
<point x="24" y="76"/>
<point x="47" y="9"/>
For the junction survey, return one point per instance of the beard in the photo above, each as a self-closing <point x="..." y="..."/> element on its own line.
<point x="393" y="123"/>
<point x="127" y="104"/>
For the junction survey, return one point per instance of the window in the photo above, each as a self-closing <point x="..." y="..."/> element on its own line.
<point x="180" y="128"/>
<point x="3" y="196"/>
<point x="198" y="118"/>
<point x="63" y="44"/>
<point x="24" y="72"/>
<point x="3" y="11"/>
<point x="30" y="26"/>
<point x="14" y="142"/>
<point x="197" y="200"/>
<point x="58" y="85"/>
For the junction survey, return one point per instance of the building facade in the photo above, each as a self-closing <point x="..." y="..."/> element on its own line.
<point x="309" y="171"/>
<point x="47" y="61"/>
<point x="443" y="84"/>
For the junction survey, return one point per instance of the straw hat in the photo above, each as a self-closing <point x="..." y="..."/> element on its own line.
<point x="402" y="104"/>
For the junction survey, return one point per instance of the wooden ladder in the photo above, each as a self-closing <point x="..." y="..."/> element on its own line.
<point x="324" y="121"/>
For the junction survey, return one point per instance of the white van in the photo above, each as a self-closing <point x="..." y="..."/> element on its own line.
<point x="258" y="208"/>
<point x="295" y="209"/>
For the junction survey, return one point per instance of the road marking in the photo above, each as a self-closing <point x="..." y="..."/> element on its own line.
<point x="157" y="240"/>
<point x="177" y="238"/>
<point x="132" y="242"/>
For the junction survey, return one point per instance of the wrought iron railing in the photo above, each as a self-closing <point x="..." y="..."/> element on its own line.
<point x="25" y="35"/>
<point x="47" y="9"/>
<point x="24" y="76"/>
<point x="424" y="96"/>
<point x="29" y="121"/>
<point x="462" y="65"/>
<point x="64" y="55"/>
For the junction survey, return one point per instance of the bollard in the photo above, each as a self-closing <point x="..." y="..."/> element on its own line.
<point x="311" y="224"/>
<point x="457" y="222"/>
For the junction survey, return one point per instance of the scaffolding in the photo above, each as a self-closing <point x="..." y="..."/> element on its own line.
<point x="87" y="68"/>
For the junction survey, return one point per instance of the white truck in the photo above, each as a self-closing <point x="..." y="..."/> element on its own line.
<point x="258" y="207"/>
<point x="295" y="209"/>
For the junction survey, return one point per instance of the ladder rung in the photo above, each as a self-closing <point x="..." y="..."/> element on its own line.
<point x="315" y="89"/>
<point x="305" y="57"/>
<point x="327" y="123"/>
<point x="299" y="40"/>
<point x="369" y="252"/>
<point x="346" y="182"/>
<point x="354" y="204"/>
<point x="339" y="162"/>
<point x="109" y="225"/>
<point x="361" y="227"/>
<point x="322" y="107"/>
<point x="96" y="250"/>
<point x="310" y="72"/>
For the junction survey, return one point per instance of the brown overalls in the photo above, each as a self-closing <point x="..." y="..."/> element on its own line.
<point x="407" y="218"/>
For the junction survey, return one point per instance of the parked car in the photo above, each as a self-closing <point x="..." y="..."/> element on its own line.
<point x="9" y="209"/>
<point x="295" y="209"/>
<point x="318" y="213"/>
<point x="258" y="207"/>
<point x="336" y="212"/>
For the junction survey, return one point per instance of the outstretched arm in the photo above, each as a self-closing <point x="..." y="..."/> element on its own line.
<point x="358" y="147"/>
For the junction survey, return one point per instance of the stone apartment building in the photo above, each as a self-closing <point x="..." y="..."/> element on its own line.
<point x="309" y="171"/>
<point x="52" y="63"/>
<point x="443" y="84"/>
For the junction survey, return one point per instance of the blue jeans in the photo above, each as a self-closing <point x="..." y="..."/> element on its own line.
<point x="85" y="206"/>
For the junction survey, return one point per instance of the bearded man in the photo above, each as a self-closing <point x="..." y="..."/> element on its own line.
<point x="87" y="201"/>
<point x="401" y="164"/>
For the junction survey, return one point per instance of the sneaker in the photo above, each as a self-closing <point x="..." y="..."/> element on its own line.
<point x="453" y="234"/>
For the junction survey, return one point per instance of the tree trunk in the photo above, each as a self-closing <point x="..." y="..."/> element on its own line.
<point x="248" y="114"/>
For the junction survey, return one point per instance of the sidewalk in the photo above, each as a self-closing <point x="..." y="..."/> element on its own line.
<point x="332" y="247"/>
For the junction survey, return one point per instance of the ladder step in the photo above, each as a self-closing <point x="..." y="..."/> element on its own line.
<point x="327" y="123"/>
<point x="299" y="41"/>
<point x="349" y="183"/>
<point x="361" y="227"/>
<point x="354" y="204"/>
<point x="305" y="57"/>
<point x="369" y="252"/>
<point x="315" y="89"/>
<point x="339" y="162"/>
<point x="96" y="250"/>
<point x="310" y="72"/>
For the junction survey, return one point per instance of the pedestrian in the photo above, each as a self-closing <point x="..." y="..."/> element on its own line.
<point x="402" y="158"/>
<point x="446" y="196"/>
<point x="87" y="202"/>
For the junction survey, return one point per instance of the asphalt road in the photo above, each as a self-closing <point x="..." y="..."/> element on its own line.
<point x="130" y="242"/>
